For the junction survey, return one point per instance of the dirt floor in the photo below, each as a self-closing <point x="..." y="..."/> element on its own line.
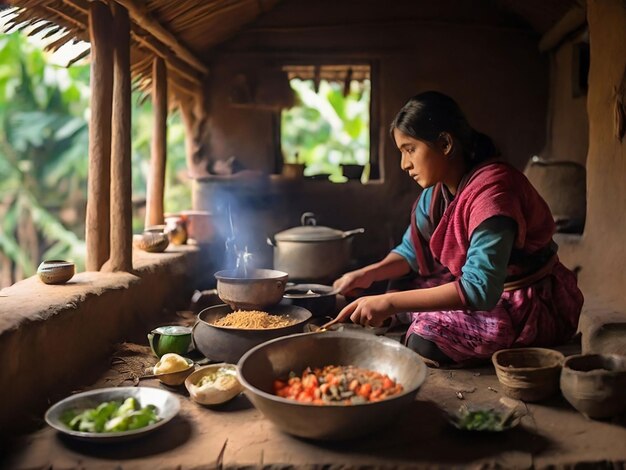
<point x="552" y="434"/>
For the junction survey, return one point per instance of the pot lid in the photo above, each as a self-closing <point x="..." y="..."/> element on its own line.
<point x="309" y="231"/>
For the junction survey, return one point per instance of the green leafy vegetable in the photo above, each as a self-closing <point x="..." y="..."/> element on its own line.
<point x="112" y="416"/>
<point x="480" y="420"/>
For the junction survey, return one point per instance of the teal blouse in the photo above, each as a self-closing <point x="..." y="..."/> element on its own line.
<point x="487" y="259"/>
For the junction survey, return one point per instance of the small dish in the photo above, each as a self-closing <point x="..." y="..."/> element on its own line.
<point x="220" y="391"/>
<point x="174" y="379"/>
<point x="166" y="403"/>
<point x="474" y="418"/>
<point x="56" y="271"/>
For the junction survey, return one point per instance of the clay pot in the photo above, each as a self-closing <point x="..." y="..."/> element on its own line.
<point x="595" y="384"/>
<point x="56" y="271"/>
<point x="176" y="230"/>
<point x="293" y="171"/>
<point x="199" y="225"/>
<point x="528" y="374"/>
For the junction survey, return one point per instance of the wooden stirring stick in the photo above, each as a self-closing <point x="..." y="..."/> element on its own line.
<point x="327" y="325"/>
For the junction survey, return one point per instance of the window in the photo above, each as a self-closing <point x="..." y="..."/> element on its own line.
<point x="328" y="129"/>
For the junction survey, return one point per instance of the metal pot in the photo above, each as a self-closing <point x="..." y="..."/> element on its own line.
<point x="260" y="288"/>
<point x="312" y="252"/>
<point x="319" y="299"/>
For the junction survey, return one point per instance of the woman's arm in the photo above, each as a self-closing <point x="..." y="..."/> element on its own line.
<point x="391" y="267"/>
<point x="374" y="310"/>
<point x="479" y="287"/>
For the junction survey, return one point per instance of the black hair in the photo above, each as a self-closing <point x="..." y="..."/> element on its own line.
<point x="426" y="115"/>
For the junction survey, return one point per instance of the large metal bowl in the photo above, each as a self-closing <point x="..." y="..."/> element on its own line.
<point x="259" y="367"/>
<point x="167" y="405"/>
<point x="228" y="344"/>
<point x="258" y="289"/>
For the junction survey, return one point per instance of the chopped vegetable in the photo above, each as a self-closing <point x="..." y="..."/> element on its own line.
<point x="480" y="420"/>
<point x="337" y="385"/>
<point x="112" y="416"/>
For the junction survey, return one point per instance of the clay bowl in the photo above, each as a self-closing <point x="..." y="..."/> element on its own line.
<point x="259" y="367"/>
<point x="152" y="241"/>
<point x="595" y="384"/>
<point x="56" y="271"/>
<point x="258" y="289"/>
<point x="528" y="374"/>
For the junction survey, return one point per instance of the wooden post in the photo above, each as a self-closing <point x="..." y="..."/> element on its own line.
<point x="121" y="187"/>
<point x="156" y="178"/>
<point x="101" y="82"/>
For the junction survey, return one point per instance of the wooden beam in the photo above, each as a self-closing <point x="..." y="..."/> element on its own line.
<point x="181" y="67"/>
<point x="101" y="82"/>
<point x="570" y="22"/>
<point x="143" y="18"/>
<point x="156" y="178"/>
<point x="121" y="187"/>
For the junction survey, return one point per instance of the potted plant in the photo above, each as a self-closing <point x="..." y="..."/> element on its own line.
<point x="293" y="169"/>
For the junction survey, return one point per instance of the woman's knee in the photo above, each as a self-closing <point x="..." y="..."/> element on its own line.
<point x="427" y="349"/>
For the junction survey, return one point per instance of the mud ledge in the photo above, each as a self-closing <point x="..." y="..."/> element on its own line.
<point x="52" y="338"/>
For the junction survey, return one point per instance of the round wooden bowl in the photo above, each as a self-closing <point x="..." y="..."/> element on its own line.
<point x="595" y="384"/>
<point x="56" y="271"/>
<point x="528" y="374"/>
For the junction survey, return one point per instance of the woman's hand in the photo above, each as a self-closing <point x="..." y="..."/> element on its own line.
<point x="351" y="282"/>
<point x="372" y="310"/>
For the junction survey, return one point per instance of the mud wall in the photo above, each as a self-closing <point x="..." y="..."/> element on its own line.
<point x="480" y="54"/>
<point x="54" y="338"/>
<point x="568" y="125"/>
<point x="602" y="251"/>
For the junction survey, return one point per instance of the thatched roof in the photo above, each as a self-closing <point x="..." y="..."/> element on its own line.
<point x="181" y="32"/>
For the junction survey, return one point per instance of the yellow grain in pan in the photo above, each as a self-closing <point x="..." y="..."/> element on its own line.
<point x="254" y="320"/>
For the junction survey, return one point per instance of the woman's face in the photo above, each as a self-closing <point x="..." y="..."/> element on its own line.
<point x="425" y="163"/>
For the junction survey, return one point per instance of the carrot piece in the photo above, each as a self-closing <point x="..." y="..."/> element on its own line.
<point x="387" y="383"/>
<point x="365" y="390"/>
<point x="279" y="384"/>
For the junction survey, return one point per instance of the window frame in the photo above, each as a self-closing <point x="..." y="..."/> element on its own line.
<point x="375" y="174"/>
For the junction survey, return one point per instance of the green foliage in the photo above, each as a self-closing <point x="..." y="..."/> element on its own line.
<point x="44" y="156"/>
<point x="327" y="129"/>
<point x="43" y="171"/>
<point x="177" y="187"/>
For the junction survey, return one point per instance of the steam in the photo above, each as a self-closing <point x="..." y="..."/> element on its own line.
<point x="243" y="258"/>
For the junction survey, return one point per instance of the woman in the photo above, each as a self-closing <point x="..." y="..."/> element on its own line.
<point x="480" y="240"/>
